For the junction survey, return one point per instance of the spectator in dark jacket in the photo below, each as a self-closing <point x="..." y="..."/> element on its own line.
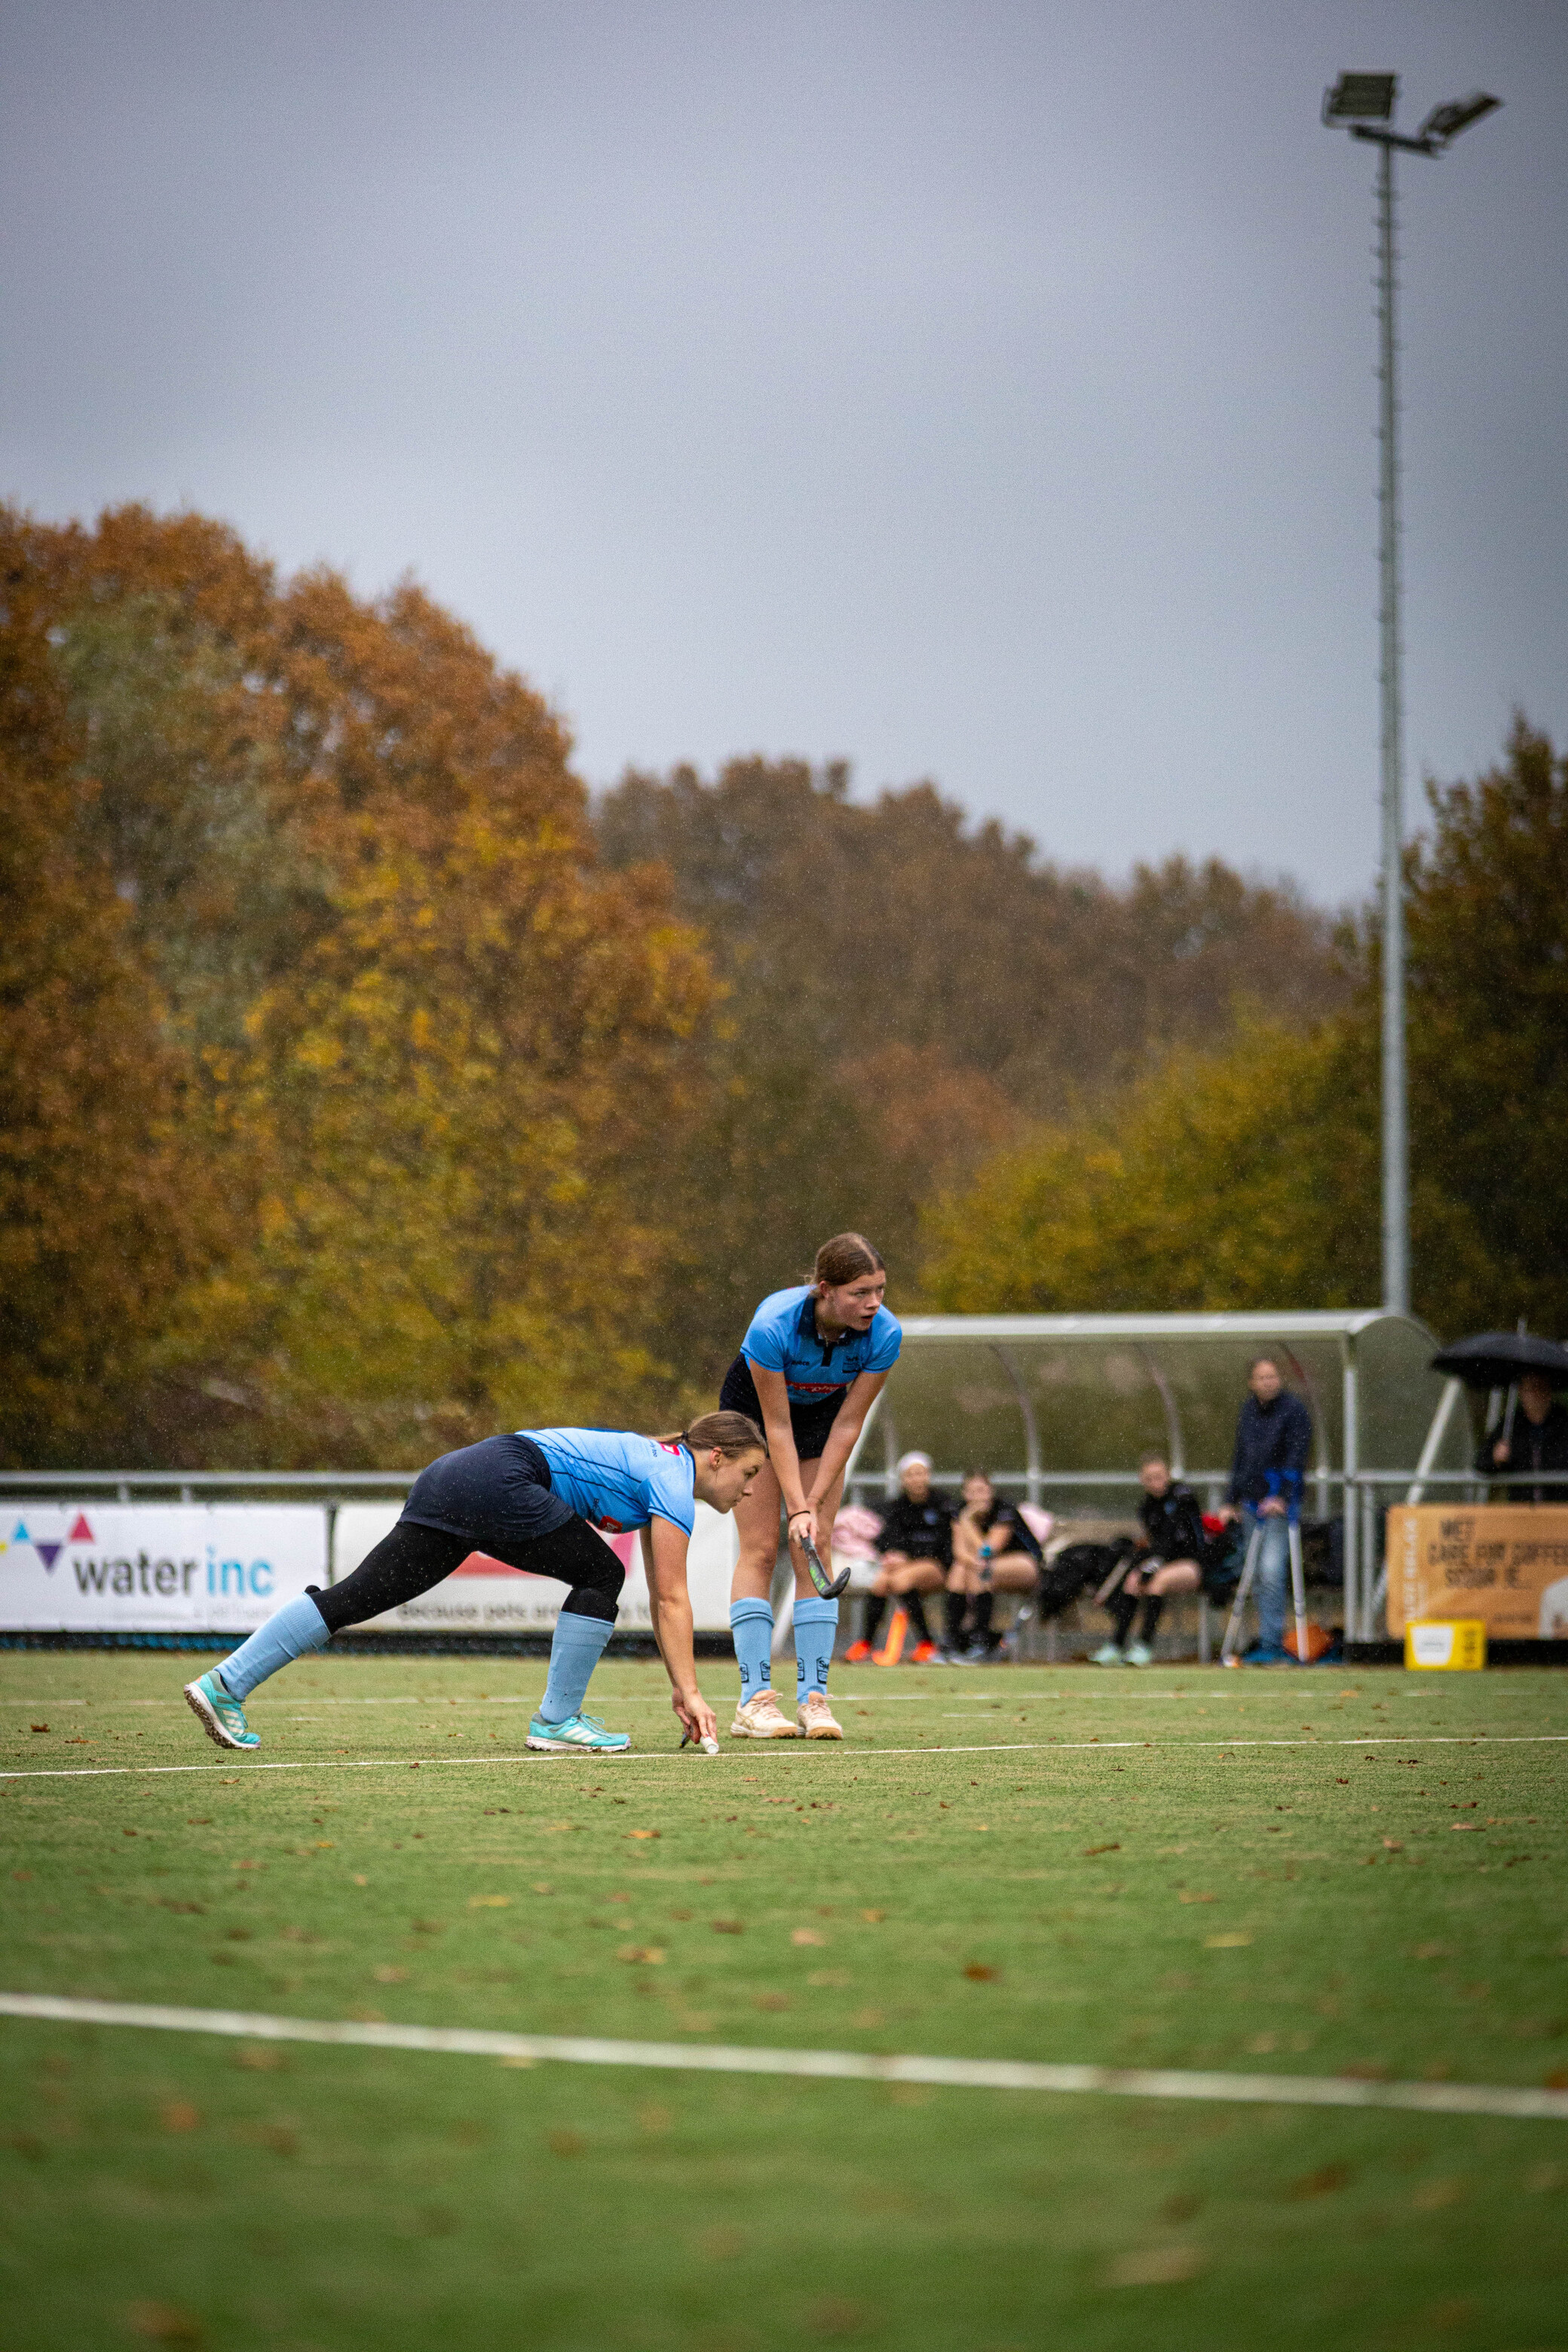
<point x="1273" y="1438"/>
<point x="1538" y="1440"/>
<point x="1168" y="1559"/>
<point x="916" y="1546"/>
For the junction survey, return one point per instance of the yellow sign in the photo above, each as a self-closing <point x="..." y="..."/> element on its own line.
<point x="1459" y="1644"/>
<point x="1502" y="1564"/>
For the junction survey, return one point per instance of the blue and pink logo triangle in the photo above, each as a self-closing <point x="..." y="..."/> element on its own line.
<point x="50" y="1552"/>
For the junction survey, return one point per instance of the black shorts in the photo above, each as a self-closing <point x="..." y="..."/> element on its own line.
<point x="808" y="1423"/>
<point x="498" y="1493"/>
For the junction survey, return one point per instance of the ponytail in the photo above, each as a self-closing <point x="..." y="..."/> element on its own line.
<point x="729" y="1433"/>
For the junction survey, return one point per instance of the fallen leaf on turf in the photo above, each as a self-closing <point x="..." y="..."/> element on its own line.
<point x="1558" y="2079"/>
<point x="872" y="1917"/>
<point x="165" y="2322"/>
<point x="38" y="1727"/>
<point x="259" y="2058"/>
<point x="1155" y="2266"/>
<point x="360" y="1879"/>
<point x="179" y="2115"/>
<point x="540" y="1888"/>
<point x="806" y="1935"/>
<point x="1225" y="1943"/>
<point x="771" y="2001"/>
<point x="1199" y="1898"/>
<point x="1394" y="1845"/>
<point x="1321" y="2183"/>
<point x="644" y="1834"/>
<point x="650" y="1955"/>
<point x="979" y="1973"/>
<point x="834" y="2317"/>
<point x="489" y="1902"/>
<point x="567" y="2143"/>
<point x="728" y="1927"/>
<point x="1115" y="1847"/>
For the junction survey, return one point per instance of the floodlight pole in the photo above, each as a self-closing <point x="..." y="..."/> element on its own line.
<point x="1395" y="1092"/>
<point x="1363" y="103"/>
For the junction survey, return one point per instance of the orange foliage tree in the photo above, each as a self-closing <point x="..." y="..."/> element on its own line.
<point x="419" y="1045"/>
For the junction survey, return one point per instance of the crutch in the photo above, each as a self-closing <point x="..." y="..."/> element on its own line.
<point x="1292" y="1482"/>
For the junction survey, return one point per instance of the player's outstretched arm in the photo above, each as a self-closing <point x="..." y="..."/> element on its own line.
<point x="669" y="1606"/>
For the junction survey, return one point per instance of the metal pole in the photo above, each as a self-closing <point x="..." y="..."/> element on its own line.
<point x="1395" y="1141"/>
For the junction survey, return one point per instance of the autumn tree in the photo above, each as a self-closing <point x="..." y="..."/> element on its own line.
<point x="424" y="1051"/>
<point x="1251" y="1178"/>
<point x="102" y="1217"/>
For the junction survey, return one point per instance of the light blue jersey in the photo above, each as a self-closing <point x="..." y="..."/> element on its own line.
<point x="617" y="1480"/>
<point x="784" y="1338"/>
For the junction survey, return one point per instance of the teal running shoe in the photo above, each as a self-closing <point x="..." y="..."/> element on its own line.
<point x="578" y="1731"/>
<point x="220" y="1716"/>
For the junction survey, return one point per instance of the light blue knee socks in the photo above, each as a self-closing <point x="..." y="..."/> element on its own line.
<point x="295" y="1628"/>
<point x="578" y="1646"/>
<point x="752" y="1626"/>
<point x="816" y="1624"/>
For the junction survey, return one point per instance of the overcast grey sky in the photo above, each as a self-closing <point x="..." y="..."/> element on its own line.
<point x="978" y="392"/>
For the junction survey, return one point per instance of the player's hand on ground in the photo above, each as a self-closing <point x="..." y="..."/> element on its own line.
<point x="696" y="1715"/>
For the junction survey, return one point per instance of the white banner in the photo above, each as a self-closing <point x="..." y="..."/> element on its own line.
<point x="482" y="1596"/>
<point x="155" y="1567"/>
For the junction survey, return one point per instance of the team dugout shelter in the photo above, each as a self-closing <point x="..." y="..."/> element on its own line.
<point x="1057" y="1409"/>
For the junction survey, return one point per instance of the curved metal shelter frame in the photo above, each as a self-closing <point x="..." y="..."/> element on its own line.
<point x="1060" y="1406"/>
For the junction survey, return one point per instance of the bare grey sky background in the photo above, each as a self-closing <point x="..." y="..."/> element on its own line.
<point x="982" y="392"/>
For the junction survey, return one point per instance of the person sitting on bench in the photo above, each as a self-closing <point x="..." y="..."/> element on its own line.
<point x="995" y="1549"/>
<point x="916" y="1546"/>
<point x="1168" y="1559"/>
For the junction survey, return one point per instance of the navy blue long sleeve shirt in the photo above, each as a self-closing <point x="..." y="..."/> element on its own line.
<point x="1273" y="1436"/>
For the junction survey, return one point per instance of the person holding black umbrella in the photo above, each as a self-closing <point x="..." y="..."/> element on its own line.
<point x="1535" y="1439"/>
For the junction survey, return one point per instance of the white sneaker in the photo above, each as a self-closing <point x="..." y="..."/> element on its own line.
<point x="763" y="1718"/>
<point x="1110" y="1655"/>
<point x="816" y="1718"/>
<point x="1140" y="1654"/>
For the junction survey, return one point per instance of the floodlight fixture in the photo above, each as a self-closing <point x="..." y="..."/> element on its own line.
<point x="1360" y="97"/>
<point x="1445" y="122"/>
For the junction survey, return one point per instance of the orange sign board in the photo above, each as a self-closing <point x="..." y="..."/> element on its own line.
<point x="1504" y="1564"/>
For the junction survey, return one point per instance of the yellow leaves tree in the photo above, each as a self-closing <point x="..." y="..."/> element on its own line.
<point x="439" y="1118"/>
<point x="1247" y="1179"/>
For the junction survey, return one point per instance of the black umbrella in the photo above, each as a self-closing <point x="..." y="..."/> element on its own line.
<point x="1494" y="1360"/>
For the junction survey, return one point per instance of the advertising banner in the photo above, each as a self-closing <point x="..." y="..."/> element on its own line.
<point x="486" y="1597"/>
<point x="1503" y="1564"/>
<point x="155" y="1567"/>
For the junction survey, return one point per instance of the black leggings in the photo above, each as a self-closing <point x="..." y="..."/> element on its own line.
<point x="413" y="1557"/>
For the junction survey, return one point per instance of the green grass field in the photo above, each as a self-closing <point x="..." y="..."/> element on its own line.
<point x="959" y="1879"/>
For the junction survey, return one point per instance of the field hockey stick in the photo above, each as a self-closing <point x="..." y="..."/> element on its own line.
<point x="829" y="1587"/>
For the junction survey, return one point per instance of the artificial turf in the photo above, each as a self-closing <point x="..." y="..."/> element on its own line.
<point x="959" y="1878"/>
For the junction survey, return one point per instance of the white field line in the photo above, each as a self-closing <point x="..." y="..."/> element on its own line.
<point x="844" y="2065"/>
<point x="862" y="1755"/>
